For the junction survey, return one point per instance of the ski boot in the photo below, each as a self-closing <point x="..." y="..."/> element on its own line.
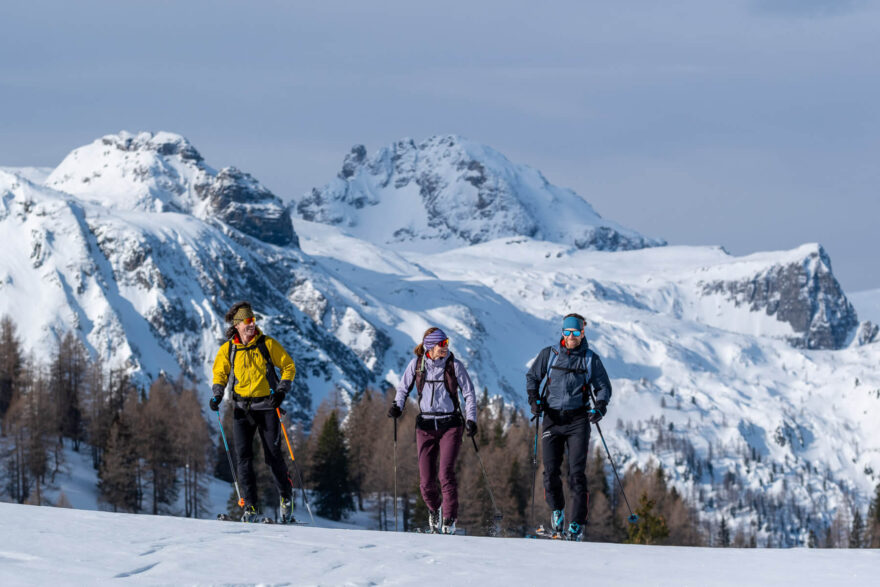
<point x="448" y="526"/>
<point x="575" y="532"/>
<point x="434" y="522"/>
<point x="286" y="511"/>
<point x="557" y="520"/>
<point x="250" y="514"/>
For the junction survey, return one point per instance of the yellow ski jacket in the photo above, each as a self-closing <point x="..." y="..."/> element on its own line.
<point x="251" y="384"/>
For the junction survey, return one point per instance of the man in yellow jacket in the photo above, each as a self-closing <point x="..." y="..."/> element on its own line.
<point x="249" y="357"/>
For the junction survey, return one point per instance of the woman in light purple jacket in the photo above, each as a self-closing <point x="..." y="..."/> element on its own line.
<point x="438" y="377"/>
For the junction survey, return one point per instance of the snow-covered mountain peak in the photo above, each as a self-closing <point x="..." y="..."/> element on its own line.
<point x="163" y="172"/>
<point x="447" y="192"/>
<point x="147" y="172"/>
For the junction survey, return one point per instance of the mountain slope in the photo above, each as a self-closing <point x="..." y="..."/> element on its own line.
<point x="147" y="290"/>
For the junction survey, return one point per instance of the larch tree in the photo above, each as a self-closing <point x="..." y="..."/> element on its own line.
<point x="10" y="363"/>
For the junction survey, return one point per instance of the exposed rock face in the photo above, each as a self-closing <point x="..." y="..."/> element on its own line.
<point x="805" y="295"/>
<point x="451" y="190"/>
<point x="868" y="332"/>
<point x="240" y="201"/>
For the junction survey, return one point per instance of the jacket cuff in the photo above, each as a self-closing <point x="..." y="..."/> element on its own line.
<point x="218" y="389"/>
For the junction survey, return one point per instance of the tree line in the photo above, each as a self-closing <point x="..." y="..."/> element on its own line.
<point x="154" y="452"/>
<point x="146" y="445"/>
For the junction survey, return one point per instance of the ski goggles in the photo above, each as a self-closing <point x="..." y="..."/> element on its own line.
<point x="571" y="332"/>
<point x="249" y="321"/>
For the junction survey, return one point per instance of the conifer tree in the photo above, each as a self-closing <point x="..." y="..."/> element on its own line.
<point x="651" y="527"/>
<point x="194" y="440"/>
<point x="873" y="522"/>
<point x="10" y="363"/>
<point x="68" y="370"/>
<point x="118" y="475"/>
<point x="723" y="533"/>
<point x="30" y="423"/>
<point x="158" y="415"/>
<point x="857" y="532"/>
<point x="329" y="472"/>
<point x="601" y="525"/>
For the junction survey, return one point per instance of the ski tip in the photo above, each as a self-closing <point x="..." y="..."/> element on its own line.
<point x="633" y="519"/>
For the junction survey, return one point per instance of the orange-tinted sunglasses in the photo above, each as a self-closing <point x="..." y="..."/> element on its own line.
<point x="250" y="320"/>
<point x="444" y="343"/>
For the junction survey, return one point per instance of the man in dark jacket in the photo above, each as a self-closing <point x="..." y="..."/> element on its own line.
<point x="570" y="367"/>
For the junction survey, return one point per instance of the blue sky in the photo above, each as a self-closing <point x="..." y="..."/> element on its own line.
<point x="753" y="124"/>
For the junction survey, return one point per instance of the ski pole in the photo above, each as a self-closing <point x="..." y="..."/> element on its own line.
<point x="395" y="475"/>
<point x="231" y="466"/>
<point x="632" y="517"/>
<point x="498" y="515"/>
<point x="295" y="466"/>
<point x="537" y="419"/>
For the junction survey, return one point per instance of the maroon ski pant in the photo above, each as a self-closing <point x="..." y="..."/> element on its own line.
<point x="442" y="446"/>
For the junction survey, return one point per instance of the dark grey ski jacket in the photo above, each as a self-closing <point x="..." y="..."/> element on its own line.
<point x="571" y="371"/>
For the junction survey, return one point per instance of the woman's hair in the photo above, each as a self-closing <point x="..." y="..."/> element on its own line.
<point x="230" y="315"/>
<point x="420" y="348"/>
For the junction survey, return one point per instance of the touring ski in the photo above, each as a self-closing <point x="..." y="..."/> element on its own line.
<point x="542" y="533"/>
<point x="259" y="520"/>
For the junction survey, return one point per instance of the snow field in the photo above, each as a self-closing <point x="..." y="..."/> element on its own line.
<point x="74" y="547"/>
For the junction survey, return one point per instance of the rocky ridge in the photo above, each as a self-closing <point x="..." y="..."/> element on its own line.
<point x="451" y="192"/>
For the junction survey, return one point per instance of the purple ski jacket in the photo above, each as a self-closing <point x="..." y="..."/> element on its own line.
<point x="435" y="396"/>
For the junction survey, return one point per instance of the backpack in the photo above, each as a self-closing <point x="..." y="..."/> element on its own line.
<point x="271" y="374"/>
<point x="449" y="379"/>
<point x="586" y="370"/>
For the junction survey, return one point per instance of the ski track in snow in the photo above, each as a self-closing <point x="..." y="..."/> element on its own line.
<point x="74" y="547"/>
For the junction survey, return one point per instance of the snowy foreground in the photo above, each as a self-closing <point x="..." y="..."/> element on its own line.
<point x="44" y="545"/>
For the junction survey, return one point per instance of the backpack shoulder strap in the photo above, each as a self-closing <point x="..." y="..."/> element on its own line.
<point x="232" y="350"/>
<point x="451" y="381"/>
<point x="419" y="376"/>
<point x="271" y="374"/>
<point x="552" y="359"/>
<point x="588" y="372"/>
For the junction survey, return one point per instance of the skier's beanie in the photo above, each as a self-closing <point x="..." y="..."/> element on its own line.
<point x="433" y="339"/>
<point x="572" y="322"/>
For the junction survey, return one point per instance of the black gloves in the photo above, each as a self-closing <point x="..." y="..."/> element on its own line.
<point x="277" y="398"/>
<point x="537" y="406"/>
<point x="471" y="428"/>
<point x="394" y="411"/>
<point x="214" y="402"/>
<point x="598" y="411"/>
<point x="283" y="386"/>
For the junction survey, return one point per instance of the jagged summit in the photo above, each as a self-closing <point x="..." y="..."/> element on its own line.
<point x="797" y="287"/>
<point x="450" y="191"/>
<point x="163" y="172"/>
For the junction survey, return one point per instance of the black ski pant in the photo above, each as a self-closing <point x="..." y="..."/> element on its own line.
<point x="244" y="425"/>
<point x="572" y="436"/>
